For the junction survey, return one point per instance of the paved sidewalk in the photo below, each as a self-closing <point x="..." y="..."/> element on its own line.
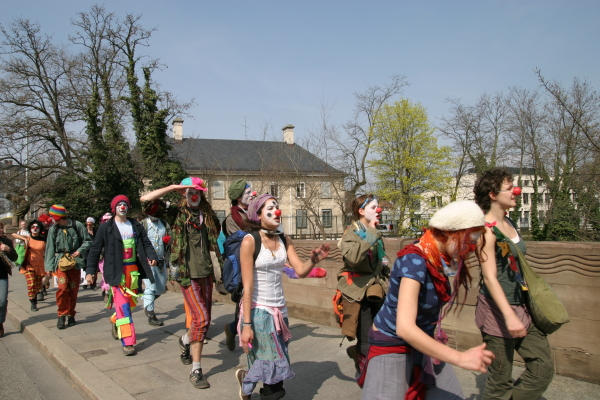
<point x="88" y="356"/>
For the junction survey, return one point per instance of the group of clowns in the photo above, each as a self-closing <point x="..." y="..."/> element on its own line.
<point x="394" y="314"/>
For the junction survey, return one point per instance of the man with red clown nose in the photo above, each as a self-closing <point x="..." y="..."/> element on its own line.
<point x="67" y="242"/>
<point x="195" y="228"/>
<point x="127" y="250"/>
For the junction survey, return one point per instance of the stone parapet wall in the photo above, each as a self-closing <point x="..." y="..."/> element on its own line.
<point x="572" y="269"/>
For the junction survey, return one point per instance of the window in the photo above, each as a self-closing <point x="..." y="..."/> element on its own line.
<point x="300" y="190"/>
<point x="274" y="190"/>
<point x="220" y="215"/>
<point x="325" y="190"/>
<point x="301" y="219"/>
<point x="525" y="198"/>
<point x="574" y="197"/>
<point x="326" y="216"/>
<point x="525" y="183"/>
<point x="541" y="216"/>
<point x="547" y="196"/>
<point x="432" y="202"/>
<point x="439" y="201"/>
<point x="525" y="219"/>
<point x="540" y="198"/>
<point x="218" y="190"/>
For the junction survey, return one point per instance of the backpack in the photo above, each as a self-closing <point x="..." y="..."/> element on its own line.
<point x="232" y="272"/>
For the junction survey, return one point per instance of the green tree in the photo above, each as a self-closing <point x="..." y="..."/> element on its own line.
<point x="409" y="161"/>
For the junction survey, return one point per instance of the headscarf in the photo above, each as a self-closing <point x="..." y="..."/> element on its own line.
<point x="255" y="205"/>
<point x="105" y="218"/>
<point x="237" y="189"/>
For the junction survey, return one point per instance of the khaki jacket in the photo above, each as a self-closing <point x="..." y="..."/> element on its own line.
<point x="356" y="261"/>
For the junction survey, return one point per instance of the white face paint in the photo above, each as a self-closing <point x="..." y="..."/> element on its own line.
<point x="193" y="197"/>
<point x="268" y="215"/>
<point x="370" y="211"/>
<point x="122" y="208"/>
<point x="35" y="230"/>
<point x="246" y="197"/>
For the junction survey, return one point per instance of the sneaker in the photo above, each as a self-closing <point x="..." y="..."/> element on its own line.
<point x="45" y="290"/>
<point x="71" y="321"/>
<point x="33" y="304"/>
<point x="199" y="380"/>
<point x="229" y="338"/>
<point x="240" y="374"/>
<point x="60" y="324"/>
<point x="40" y="296"/>
<point x="186" y="357"/>
<point x="114" y="332"/>
<point x="129" y="350"/>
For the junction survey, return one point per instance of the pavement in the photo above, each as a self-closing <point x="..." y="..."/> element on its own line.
<point x="93" y="362"/>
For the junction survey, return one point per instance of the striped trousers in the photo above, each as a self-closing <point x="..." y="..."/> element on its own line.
<point x="34" y="283"/>
<point x="198" y="301"/>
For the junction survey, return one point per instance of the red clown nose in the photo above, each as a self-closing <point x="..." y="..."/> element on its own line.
<point x="253" y="194"/>
<point x="194" y="198"/>
<point x="516" y="191"/>
<point x="278" y="213"/>
<point x="378" y="210"/>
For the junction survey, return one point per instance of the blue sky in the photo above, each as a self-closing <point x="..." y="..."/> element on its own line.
<point x="273" y="62"/>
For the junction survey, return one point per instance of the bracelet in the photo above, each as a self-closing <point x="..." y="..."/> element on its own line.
<point x="246" y="323"/>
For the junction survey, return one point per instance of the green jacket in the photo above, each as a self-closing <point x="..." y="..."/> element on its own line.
<point x="66" y="239"/>
<point x="178" y="217"/>
<point x="358" y="272"/>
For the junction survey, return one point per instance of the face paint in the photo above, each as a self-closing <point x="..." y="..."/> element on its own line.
<point x="122" y="208"/>
<point x="35" y="230"/>
<point x="247" y="197"/>
<point x="269" y="211"/>
<point x="371" y="210"/>
<point x="193" y="197"/>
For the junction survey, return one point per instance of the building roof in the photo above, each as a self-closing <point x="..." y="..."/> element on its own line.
<point x="248" y="156"/>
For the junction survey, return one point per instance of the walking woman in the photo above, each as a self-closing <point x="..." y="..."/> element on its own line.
<point x="501" y="313"/>
<point x="404" y="357"/>
<point x="363" y="277"/>
<point x="8" y="254"/>
<point x="263" y="328"/>
<point x="91" y="230"/>
<point x="33" y="263"/>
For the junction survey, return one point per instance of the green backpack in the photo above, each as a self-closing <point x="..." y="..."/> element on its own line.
<point x="546" y="309"/>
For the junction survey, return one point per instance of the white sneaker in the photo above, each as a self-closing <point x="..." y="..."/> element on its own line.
<point x="240" y="374"/>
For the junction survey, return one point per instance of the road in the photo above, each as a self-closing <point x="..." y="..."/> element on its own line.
<point x="26" y="374"/>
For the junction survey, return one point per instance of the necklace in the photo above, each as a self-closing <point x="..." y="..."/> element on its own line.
<point x="269" y="247"/>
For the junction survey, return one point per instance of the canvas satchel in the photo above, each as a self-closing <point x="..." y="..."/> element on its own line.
<point x="67" y="262"/>
<point x="546" y="309"/>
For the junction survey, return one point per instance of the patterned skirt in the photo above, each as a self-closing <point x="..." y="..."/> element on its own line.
<point x="268" y="359"/>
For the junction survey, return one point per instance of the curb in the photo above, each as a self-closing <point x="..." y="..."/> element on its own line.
<point x="91" y="383"/>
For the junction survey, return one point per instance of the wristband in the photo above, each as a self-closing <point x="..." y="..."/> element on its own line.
<point x="246" y="323"/>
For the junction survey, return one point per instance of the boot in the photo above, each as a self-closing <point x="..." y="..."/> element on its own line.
<point x="272" y="392"/>
<point x="71" y="321"/>
<point x="152" y="320"/>
<point x="33" y="304"/>
<point x="61" y="322"/>
<point x="40" y="296"/>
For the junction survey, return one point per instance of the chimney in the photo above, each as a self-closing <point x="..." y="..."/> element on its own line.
<point x="178" y="129"/>
<point x="288" y="134"/>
